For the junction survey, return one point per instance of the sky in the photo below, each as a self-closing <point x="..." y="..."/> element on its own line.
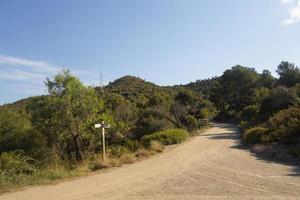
<point x="164" y="41"/>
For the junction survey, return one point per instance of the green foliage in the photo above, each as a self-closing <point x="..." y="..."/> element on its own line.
<point x="285" y="126"/>
<point x="266" y="80"/>
<point x="78" y="106"/>
<point x="133" y="89"/>
<point x="255" y="135"/>
<point x="150" y="121"/>
<point x="233" y="90"/>
<point x="117" y="150"/>
<point x="189" y="109"/>
<point x="167" y="137"/>
<point x="59" y="127"/>
<point x="279" y="98"/>
<point x="266" y="107"/>
<point x="132" y="145"/>
<point x="16" y="162"/>
<point x="289" y="74"/>
<point x="203" y="87"/>
<point x="53" y="172"/>
<point x="16" y="132"/>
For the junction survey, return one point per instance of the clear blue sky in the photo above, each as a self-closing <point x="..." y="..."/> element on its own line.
<point x="164" y="41"/>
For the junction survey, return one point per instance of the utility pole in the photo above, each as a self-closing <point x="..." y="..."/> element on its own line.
<point x="103" y="125"/>
<point x="101" y="81"/>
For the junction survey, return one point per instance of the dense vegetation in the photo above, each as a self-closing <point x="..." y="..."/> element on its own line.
<point x="49" y="137"/>
<point x="267" y="108"/>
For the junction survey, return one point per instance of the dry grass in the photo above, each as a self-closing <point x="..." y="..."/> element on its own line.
<point x="128" y="158"/>
<point x="99" y="164"/>
<point x="156" y="147"/>
<point x="142" y="153"/>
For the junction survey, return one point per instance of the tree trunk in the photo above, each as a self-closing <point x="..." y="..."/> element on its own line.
<point x="77" y="148"/>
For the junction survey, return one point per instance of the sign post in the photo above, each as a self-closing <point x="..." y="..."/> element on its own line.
<point x="103" y="126"/>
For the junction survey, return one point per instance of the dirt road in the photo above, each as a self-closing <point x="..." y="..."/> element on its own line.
<point x="209" y="166"/>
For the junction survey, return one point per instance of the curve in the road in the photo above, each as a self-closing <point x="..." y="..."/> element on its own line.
<point x="209" y="166"/>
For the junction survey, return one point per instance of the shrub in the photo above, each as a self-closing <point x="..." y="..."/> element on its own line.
<point x="190" y="122"/>
<point x="117" y="151"/>
<point x="285" y="125"/>
<point x="280" y="98"/>
<point x="167" y="137"/>
<point x="16" y="132"/>
<point x="132" y="145"/>
<point x="23" y="173"/>
<point x="16" y="162"/>
<point x="255" y="135"/>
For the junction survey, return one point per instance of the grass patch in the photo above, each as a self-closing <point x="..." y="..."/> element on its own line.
<point x="50" y="174"/>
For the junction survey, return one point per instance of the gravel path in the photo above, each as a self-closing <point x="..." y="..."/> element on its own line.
<point x="209" y="166"/>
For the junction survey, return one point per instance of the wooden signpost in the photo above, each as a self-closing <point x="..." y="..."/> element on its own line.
<point x="103" y="125"/>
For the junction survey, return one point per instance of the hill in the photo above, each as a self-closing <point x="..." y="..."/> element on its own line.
<point x="134" y="89"/>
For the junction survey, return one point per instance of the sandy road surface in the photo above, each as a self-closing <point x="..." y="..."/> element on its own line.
<point x="210" y="166"/>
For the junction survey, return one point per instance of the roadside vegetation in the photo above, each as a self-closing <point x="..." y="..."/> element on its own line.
<point x="267" y="108"/>
<point x="167" y="137"/>
<point x="51" y="137"/>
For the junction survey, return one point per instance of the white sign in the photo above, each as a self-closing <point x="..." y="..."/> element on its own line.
<point x="97" y="125"/>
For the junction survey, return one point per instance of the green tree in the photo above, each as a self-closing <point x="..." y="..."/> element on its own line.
<point x="289" y="74"/>
<point x="155" y="116"/>
<point x="279" y="98"/>
<point x="75" y="109"/>
<point x="266" y="79"/>
<point x="233" y="91"/>
<point x="189" y="109"/>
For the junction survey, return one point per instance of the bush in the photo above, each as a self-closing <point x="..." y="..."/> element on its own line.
<point x="16" y="162"/>
<point x="280" y="98"/>
<point x="190" y="122"/>
<point x="285" y="126"/>
<point x="132" y="145"/>
<point x="16" y="132"/>
<point x="20" y="174"/>
<point x="167" y="137"/>
<point x="117" y="151"/>
<point x="255" y="135"/>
